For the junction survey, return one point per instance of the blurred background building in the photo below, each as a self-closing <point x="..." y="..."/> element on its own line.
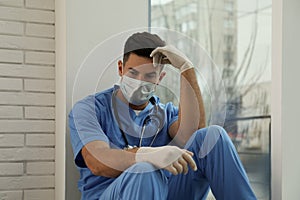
<point x="236" y="35"/>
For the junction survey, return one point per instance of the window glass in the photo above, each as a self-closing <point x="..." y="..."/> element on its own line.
<point x="237" y="36"/>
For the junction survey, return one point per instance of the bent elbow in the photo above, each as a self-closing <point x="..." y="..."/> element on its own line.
<point x="105" y="172"/>
<point x="96" y="171"/>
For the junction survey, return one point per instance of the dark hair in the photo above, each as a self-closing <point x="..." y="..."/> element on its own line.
<point x="141" y="44"/>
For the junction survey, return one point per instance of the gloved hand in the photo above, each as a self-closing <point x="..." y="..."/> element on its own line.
<point x="172" y="54"/>
<point x="171" y="158"/>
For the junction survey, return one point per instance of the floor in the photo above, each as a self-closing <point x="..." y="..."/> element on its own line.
<point x="257" y="167"/>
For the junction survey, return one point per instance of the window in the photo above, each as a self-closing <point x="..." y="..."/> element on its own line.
<point x="228" y="58"/>
<point x="188" y="26"/>
<point x="228" y="23"/>
<point x="237" y="35"/>
<point x="158" y="22"/>
<point x="186" y="10"/>
<point x="229" y="6"/>
<point x="228" y="39"/>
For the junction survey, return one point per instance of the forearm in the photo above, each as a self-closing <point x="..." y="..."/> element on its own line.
<point x="191" y="116"/>
<point x="104" y="161"/>
<point x="191" y="101"/>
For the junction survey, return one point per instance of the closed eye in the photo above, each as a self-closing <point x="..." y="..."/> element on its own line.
<point x="133" y="72"/>
<point x="150" y="76"/>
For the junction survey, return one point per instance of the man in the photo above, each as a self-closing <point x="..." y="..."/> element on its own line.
<point x="127" y="145"/>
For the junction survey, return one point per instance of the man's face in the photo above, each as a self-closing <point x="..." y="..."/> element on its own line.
<point x="140" y="68"/>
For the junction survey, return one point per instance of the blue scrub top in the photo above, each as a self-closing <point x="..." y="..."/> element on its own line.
<point x="93" y="118"/>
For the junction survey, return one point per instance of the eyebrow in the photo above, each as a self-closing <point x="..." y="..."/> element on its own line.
<point x="150" y="73"/>
<point x="130" y="68"/>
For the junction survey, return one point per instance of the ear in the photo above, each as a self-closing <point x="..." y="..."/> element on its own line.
<point x="120" y="68"/>
<point x="161" y="76"/>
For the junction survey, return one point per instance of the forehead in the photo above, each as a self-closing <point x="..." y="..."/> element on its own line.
<point x="141" y="64"/>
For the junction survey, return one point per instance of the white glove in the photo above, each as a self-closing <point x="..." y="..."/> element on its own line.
<point x="171" y="158"/>
<point x="176" y="58"/>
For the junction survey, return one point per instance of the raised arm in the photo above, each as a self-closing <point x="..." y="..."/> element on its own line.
<point x="191" y="115"/>
<point x="191" y="109"/>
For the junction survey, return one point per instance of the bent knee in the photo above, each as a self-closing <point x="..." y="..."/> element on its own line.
<point x="214" y="136"/>
<point x="216" y="131"/>
<point x="145" y="171"/>
<point x="213" y="132"/>
<point x="141" y="167"/>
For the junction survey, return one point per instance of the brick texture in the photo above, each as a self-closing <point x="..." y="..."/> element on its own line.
<point x="15" y="3"/>
<point x="40" y="140"/>
<point x="36" y="168"/>
<point x="27" y="103"/>
<point x="26" y="98"/>
<point x="14" y="28"/>
<point x="40" y="30"/>
<point x="26" y="154"/>
<point x="11" y="56"/>
<point x="11" y="112"/>
<point x="45" y="4"/>
<point x="11" y="169"/>
<point x="11" y="195"/>
<point x="27" y="71"/>
<point x="39" y="85"/>
<point x="26" y="182"/>
<point x="11" y="140"/>
<point x="28" y="43"/>
<point x="27" y="15"/>
<point x="39" y="194"/>
<point x="39" y="58"/>
<point x="11" y="84"/>
<point x="39" y="112"/>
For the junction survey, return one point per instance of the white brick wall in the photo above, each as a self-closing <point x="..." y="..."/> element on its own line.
<point x="11" y="112"/>
<point x="39" y="194"/>
<point x="11" y="28"/>
<point x="37" y="168"/>
<point x="27" y="99"/>
<point x="17" y="3"/>
<point x="39" y="85"/>
<point x="28" y="71"/>
<point x="38" y="112"/>
<point x="26" y="15"/>
<point x="11" y="84"/>
<point x="11" y="169"/>
<point x="39" y="30"/>
<point x="39" y="58"/>
<point x="11" y="195"/>
<point x="11" y="56"/>
<point x="11" y="140"/>
<point x="45" y="4"/>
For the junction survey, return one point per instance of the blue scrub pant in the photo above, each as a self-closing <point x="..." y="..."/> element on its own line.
<point x="218" y="165"/>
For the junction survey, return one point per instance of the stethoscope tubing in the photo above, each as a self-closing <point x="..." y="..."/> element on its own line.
<point x="153" y="102"/>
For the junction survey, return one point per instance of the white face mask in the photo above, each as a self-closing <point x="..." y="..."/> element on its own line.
<point x="135" y="91"/>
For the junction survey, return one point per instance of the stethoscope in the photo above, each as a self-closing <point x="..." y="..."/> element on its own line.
<point x="156" y="115"/>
